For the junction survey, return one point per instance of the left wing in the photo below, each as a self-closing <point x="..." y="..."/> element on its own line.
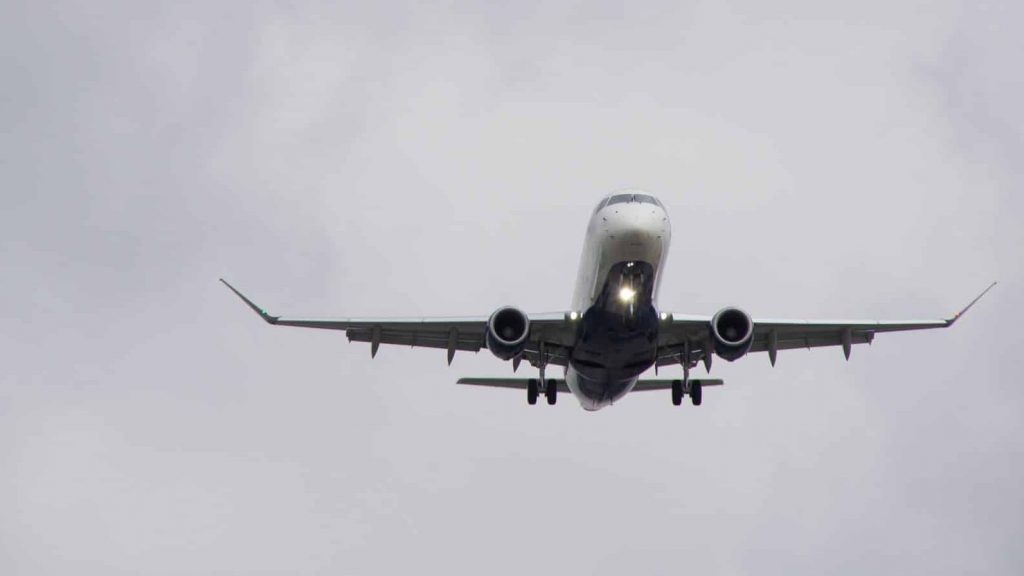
<point x="690" y="334"/>
<point x="549" y="333"/>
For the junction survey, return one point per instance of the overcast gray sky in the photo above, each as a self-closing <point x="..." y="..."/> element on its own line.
<point x="853" y="160"/>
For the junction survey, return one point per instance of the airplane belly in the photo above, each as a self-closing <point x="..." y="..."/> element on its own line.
<point x="616" y="338"/>
<point x="594" y="394"/>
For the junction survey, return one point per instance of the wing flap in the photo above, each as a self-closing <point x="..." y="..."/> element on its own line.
<point x="463" y="342"/>
<point x="811" y="340"/>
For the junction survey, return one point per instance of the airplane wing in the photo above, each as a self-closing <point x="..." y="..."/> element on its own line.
<point x="550" y="333"/>
<point x="771" y="335"/>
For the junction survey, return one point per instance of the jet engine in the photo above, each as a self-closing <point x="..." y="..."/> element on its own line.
<point x="733" y="332"/>
<point x="507" y="330"/>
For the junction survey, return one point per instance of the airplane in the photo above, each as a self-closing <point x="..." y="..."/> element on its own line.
<point x="614" y="330"/>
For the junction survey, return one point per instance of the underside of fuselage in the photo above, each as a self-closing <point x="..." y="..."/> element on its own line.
<point x="616" y="338"/>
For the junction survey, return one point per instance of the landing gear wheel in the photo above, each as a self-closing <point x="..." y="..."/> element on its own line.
<point x="551" y="392"/>
<point x="677" y="392"/>
<point x="695" y="393"/>
<point x="531" y="392"/>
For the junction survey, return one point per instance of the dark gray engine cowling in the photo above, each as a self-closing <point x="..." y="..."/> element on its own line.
<point x="507" y="331"/>
<point x="733" y="333"/>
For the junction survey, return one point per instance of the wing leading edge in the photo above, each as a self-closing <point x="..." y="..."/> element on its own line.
<point x="452" y="334"/>
<point x="551" y="335"/>
<point x="690" y="333"/>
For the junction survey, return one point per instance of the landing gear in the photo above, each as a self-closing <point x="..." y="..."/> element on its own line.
<point x="677" y="392"/>
<point x="682" y="387"/>
<point x="550" y="388"/>
<point x="532" y="391"/>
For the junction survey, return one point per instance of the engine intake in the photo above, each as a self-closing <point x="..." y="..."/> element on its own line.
<point x="733" y="333"/>
<point x="507" y="331"/>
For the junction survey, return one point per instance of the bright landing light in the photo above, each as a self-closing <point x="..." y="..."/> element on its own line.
<point x="626" y="294"/>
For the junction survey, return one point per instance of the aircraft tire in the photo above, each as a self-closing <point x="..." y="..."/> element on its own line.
<point x="677" y="392"/>
<point x="531" y="392"/>
<point x="551" y="392"/>
<point x="696" y="393"/>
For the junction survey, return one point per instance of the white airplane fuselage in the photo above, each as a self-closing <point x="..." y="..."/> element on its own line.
<point x="616" y="293"/>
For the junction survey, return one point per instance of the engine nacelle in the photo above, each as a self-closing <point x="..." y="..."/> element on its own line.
<point x="507" y="331"/>
<point x="733" y="333"/>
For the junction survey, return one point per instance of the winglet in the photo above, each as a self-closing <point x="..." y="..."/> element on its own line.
<point x="951" y="321"/>
<point x="263" y="313"/>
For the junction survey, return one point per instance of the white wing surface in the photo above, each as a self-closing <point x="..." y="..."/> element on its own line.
<point x="550" y="332"/>
<point x="681" y="337"/>
<point x="690" y="334"/>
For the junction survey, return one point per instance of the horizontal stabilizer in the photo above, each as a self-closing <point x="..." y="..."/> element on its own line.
<point x="645" y="385"/>
<point x="522" y="383"/>
<point x="515" y="383"/>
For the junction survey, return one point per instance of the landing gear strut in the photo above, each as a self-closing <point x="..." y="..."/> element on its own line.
<point x="681" y="387"/>
<point x="550" y="386"/>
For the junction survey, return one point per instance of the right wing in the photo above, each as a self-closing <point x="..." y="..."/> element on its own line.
<point x="548" y="332"/>
<point x="691" y="333"/>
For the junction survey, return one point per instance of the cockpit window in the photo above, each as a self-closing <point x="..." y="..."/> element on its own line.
<point x="646" y="199"/>
<point x="642" y="198"/>
<point x="619" y="198"/>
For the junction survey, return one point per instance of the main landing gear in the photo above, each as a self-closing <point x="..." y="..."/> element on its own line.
<point x="547" y="385"/>
<point x="679" y="390"/>
<point x="533" y="390"/>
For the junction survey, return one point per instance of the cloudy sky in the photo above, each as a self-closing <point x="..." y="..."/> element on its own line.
<point x="856" y="160"/>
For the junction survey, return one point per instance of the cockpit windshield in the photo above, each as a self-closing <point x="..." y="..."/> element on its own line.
<point x="641" y="198"/>
<point x="646" y="199"/>
<point x="627" y="197"/>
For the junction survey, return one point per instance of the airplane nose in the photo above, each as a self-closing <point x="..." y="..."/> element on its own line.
<point x="637" y="224"/>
